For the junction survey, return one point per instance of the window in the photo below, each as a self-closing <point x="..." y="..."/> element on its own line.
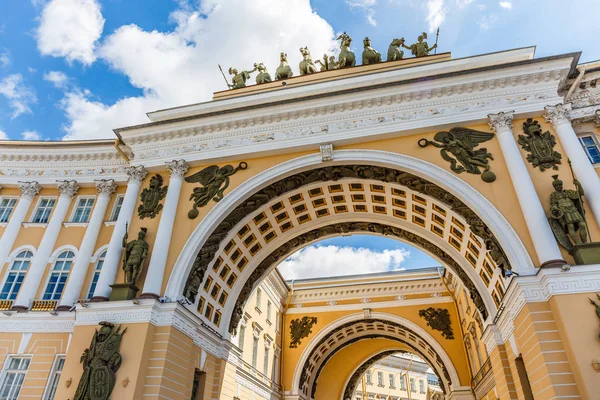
<point x="43" y="211"/>
<point x="402" y="382"/>
<point x="413" y="386"/>
<point x="96" y="275"/>
<point x="369" y="378"/>
<point x="15" y="275"/>
<point x="241" y="338"/>
<point x="421" y="386"/>
<point x="277" y="320"/>
<point x="54" y="378"/>
<point x="258" y="296"/>
<point x="254" y="351"/>
<point x="380" y="378"/>
<point x="14" y="375"/>
<point x="266" y="362"/>
<point x="6" y="208"/>
<point x="59" y="276"/>
<point x="117" y="207"/>
<point x="268" y="310"/>
<point x="392" y="383"/>
<point x="83" y="210"/>
<point x="590" y="145"/>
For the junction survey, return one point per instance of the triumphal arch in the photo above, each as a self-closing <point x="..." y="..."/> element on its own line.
<point x="145" y="267"/>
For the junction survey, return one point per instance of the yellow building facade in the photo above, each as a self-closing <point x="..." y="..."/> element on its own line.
<point x="226" y="190"/>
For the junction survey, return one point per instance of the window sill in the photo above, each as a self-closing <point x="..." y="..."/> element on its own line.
<point x="35" y="224"/>
<point x="76" y="224"/>
<point x="258" y="310"/>
<point x="110" y="223"/>
<point x="269" y="322"/>
<point x="3" y="224"/>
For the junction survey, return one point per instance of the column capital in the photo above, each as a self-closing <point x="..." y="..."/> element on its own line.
<point x="178" y="168"/>
<point x="106" y="187"/>
<point x="68" y="188"/>
<point x="500" y="121"/>
<point x="29" y="189"/>
<point x="557" y="114"/>
<point x="137" y="173"/>
<point x="597" y="117"/>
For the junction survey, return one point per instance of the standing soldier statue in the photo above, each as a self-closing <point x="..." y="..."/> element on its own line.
<point x="135" y="254"/>
<point x="421" y="48"/>
<point x="567" y="214"/>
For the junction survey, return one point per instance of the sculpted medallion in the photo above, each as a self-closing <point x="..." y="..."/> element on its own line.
<point x="540" y="146"/>
<point x="101" y="361"/>
<point x="300" y="329"/>
<point x="151" y="198"/>
<point x="439" y="320"/>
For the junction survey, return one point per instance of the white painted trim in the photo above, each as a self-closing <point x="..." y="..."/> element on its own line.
<point x="110" y="223"/>
<point x="75" y="224"/>
<point x="35" y="225"/>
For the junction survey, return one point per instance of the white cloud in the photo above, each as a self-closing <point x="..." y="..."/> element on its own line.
<point x="180" y="67"/>
<point x="3" y="135"/>
<point x="436" y="14"/>
<point x="319" y="261"/>
<point x="19" y="95"/>
<point x="57" y="78"/>
<point x="70" y="29"/>
<point x="367" y="7"/>
<point x="30" y="135"/>
<point x="506" y="4"/>
<point x="4" y="59"/>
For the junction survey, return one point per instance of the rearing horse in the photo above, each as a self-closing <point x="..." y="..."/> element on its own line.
<point x="346" y="58"/>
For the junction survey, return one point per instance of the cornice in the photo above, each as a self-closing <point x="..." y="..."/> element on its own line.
<point x="36" y="322"/>
<point x="299" y="308"/>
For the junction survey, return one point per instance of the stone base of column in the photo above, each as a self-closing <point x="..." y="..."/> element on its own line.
<point x="149" y="296"/>
<point x="98" y="299"/>
<point x="123" y="291"/>
<point x="20" y="308"/>
<point x="587" y="253"/>
<point x="553" y="264"/>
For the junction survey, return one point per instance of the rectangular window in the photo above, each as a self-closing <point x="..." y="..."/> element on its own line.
<point x="54" y="378"/>
<point x="6" y="208"/>
<point x="421" y="386"/>
<point x="83" y="209"/>
<point x="266" y="362"/>
<point x="369" y="378"/>
<point x="43" y="211"/>
<point x="268" y="310"/>
<point x="258" y="296"/>
<point x="277" y="320"/>
<point x="413" y="385"/>
<point x="117" y="207"/>
<point x="392" y="383"/>
<point x="590" y="145"/>
<point x="403" y="382"/>
<point x="254" y="351"/>
<point x="380" y="378"/>
<point x="241" y="338"/>
<point x="14" y="375"/>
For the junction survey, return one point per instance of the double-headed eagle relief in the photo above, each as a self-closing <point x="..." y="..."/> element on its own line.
<point x="458" y="146"/>
<point x="346" y="58"/>
<point x="151" y="198"/>
<point x="300" y="329"/>
<point x="439" y="320"/>
<point x="214" y="181"/>
<point x="540" y="146"/>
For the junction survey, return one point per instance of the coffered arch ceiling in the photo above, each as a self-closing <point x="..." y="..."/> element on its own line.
<point x="305" y="207"/>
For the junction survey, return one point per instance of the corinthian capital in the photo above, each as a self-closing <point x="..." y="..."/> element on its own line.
<point x="68" y="188"/>
<point x="597" y="113"/>
<point x="106" y="187"/>
<point x="501" y="121"/>
<point x="29" y="189"/>
<point x="178" y="168"/>
<point x="137" y="173"/>
<point x="557" y="114"/>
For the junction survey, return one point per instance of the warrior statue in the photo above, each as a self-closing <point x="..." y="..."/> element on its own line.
<point x="328" y="63"/>
<point x="101" y="361"/>
<point x="307" y="66"/>
<point x="346" y="57"/>
<point x="263" y="75"/>
<point x="370" y="55"/>
<point x="567" y="214"/>
<point x="421" y="48"/>
<point x="394" y="52"/>
<point x="134" y="256"/>
<point x="284" y="71"/>
<point x="239" y="78"/>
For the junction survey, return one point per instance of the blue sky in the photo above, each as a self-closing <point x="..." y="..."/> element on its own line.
<point x="78" y="68"/>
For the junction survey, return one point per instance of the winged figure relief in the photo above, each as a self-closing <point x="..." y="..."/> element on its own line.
<point x="458" y="146"/>
<point x="214" y="181"/>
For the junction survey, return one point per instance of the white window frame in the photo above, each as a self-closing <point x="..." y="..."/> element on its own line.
<point x="11" y="264"/>
<point x="113" y="214"/>
<point x="2" y="198"/>
<point x="580" y="137"/>
<point x="76" y="206"/>
<point x="54" y="377"/>
<point x="269" y="308"/>
<point x="37" y="206"/>
<point x="6" y="371"/>
<point x="53" y="260"/>
<point x="254" y="359"/>
<point x="258" y="298"/>
<point x="101" y="257"/>
<point x="266" y="362"/>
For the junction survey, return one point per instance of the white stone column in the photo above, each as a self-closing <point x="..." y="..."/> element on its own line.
<point x="82" y="261"/>
<point x="115" y="246"/>
<point x="28" y="191"/>
<point x="543" y="239"/>
<point x="585" y="173"/>
<point x="160" y="251"/>
<point x="66" y="189"/>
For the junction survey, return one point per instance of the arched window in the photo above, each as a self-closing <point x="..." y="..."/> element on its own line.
<point x="59" y="275"/>
<point x="15" y="275"/>
<point x="96" y="275"/>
